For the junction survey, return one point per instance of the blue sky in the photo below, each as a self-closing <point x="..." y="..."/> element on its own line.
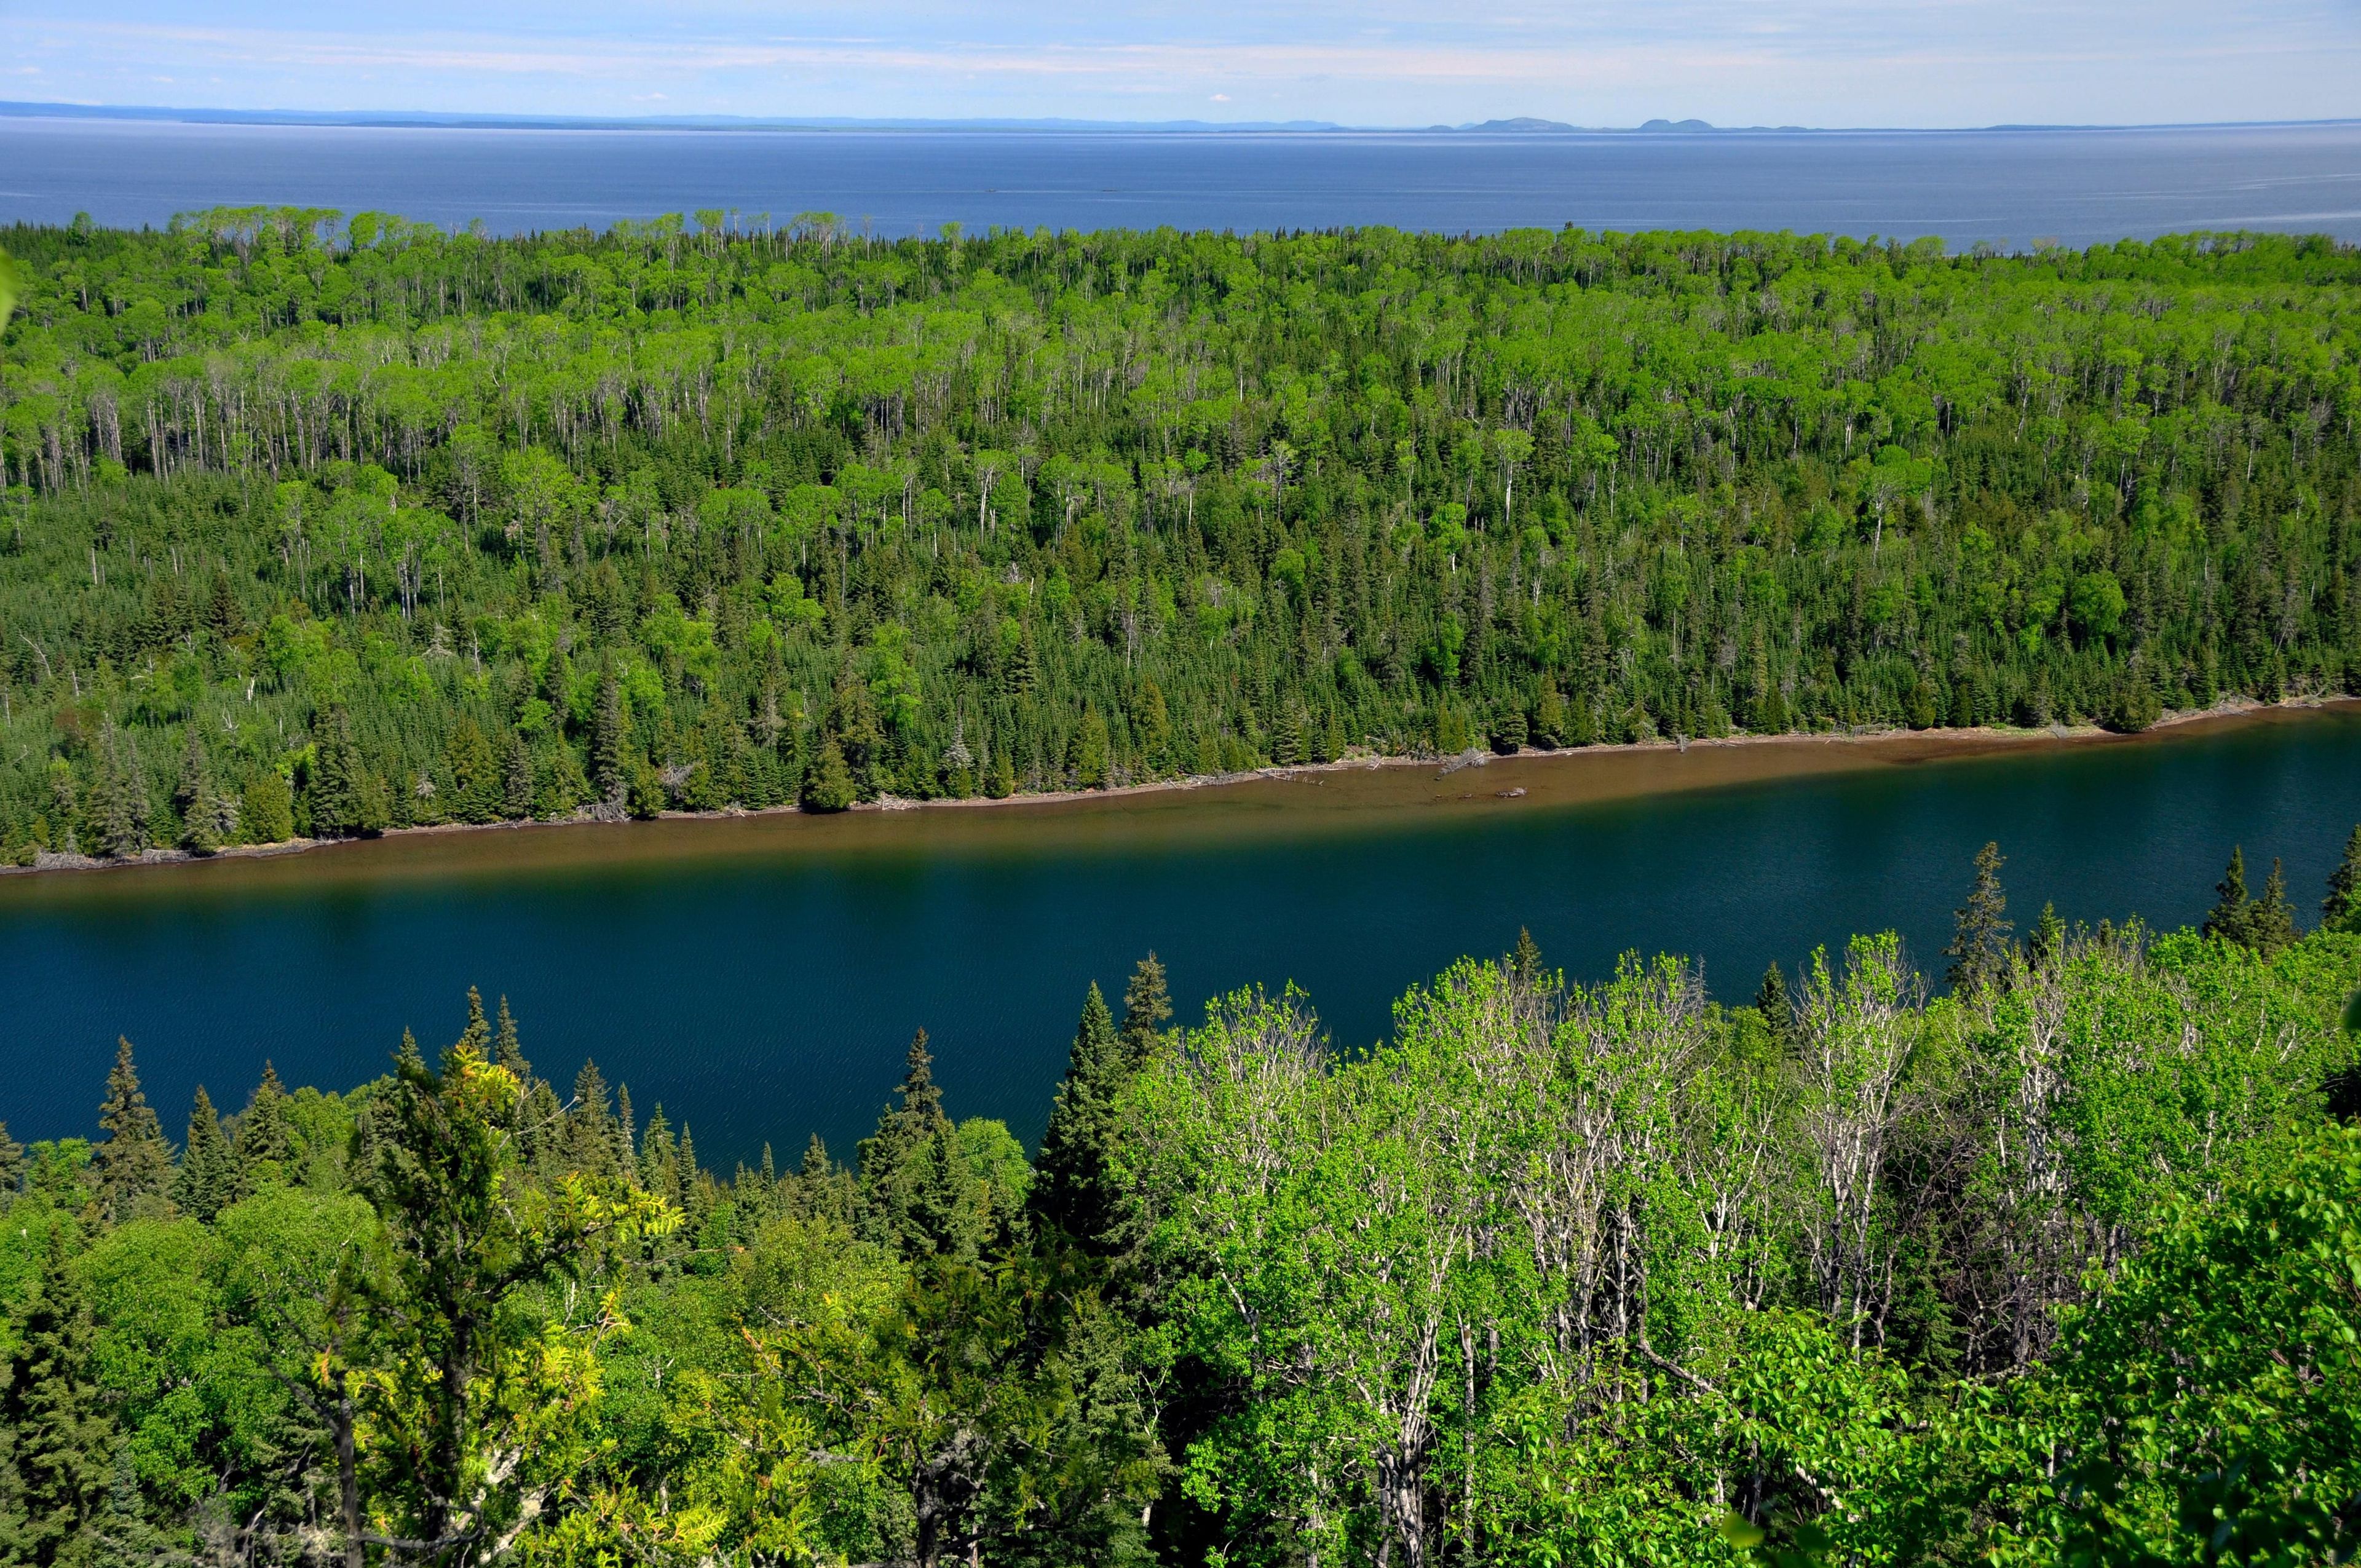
<point x="1828" y="62"/>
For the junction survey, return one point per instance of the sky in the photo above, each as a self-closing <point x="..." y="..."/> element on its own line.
<point x="1379" y="62"/>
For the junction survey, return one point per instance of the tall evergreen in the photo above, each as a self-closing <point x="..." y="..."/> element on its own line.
<point x="1981" y="935"/>
<point x="1771" y="1000"/>
<point x="56" y="1439"/>
<point x="121" y="804"/>
<point x="266" y="1137"/>
<point x="606" y="738"/>
<point x="516" y="779"/>
<point x="2270" y="919"/>
<point x="335" y="787"/>
<point x="907" y="1166"/>
<point x="11" y="1167"/>
<point x="2342" y="905"/>
<point x="588" y="1144"/>
<point x="2046" y="943"/>
<point x="626" y="1133"/>
<point x="2233" y="913"/>
<point x="1146" y="1008"/>
<point x="508" y="1050"/>
<point x="208" y="1177"/>
<point x="1071" y="1186"/>
<point x="134" y="1165"/>
<point x="203" y="828"/>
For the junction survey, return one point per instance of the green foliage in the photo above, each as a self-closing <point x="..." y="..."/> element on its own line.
<point x="337" y="533"/>
<point x="2060" y="1268"/>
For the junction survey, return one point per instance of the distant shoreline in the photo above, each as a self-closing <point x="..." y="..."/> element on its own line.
<point x="1527" y="125"/>
<point x="1919" y="744"/>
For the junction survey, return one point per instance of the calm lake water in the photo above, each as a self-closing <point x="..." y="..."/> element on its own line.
<point x="761" y="976"/>
<point x="2011" y="188"/>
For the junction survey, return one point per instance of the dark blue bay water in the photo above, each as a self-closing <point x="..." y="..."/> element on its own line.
<point x="2010" y="188"/>
<point x="760" y="978"/>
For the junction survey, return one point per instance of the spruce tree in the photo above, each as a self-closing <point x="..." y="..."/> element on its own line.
<point x="657" y="1155"/>
<point x="1525" y="960"/>
<point x="1070" y="1187"/>
<point x="121" y="804"/>
<point x="334" y="785"/>
<point x="1771" y="1000"/>
<point x="2342" y="907"/>
<point x="12" y="1167"/>
<point x="684" y="1173"/>
<point x="201" y="829"/>
<point x="626" y="1133"/>
<point x="907" y="1171"/>
<point x="2232" y="910"/>
<point x="2270" y="919"/>
<point x="476" y="1039"/>
<point x="608" y="773"/>
<point x="508" y="1050"/>
<point x="2047" y="942"/>
<point x="1981" y="936"/>
<point x="1146" y="1008"/>
<point x="517" y="780"/>
<point x="266" y="1138"/>
<point x="828" y="786"/>
<point x="59" y="1440"/>
<point x="588" y="1144"/>
<point x="207" y="1181"/>
<point x="134" y="1164"/>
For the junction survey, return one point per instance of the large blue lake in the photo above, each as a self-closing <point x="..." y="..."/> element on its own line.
<point x="2009" y="188"/>
<point x="760" y="977"/>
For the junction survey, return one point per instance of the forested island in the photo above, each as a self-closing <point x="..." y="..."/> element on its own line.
<point x="2057" y="1268"/>
<point x="317" y="527"/>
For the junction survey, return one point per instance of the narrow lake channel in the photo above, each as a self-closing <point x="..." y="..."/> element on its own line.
<point x="760" y="977"/>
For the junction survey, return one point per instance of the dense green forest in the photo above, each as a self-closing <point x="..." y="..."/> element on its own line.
<point x="317" y="526"/>
<point x="2061" y="1267"/>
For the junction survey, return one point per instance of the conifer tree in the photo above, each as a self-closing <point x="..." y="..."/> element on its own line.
<point x="685" y="1174"/>
<point x="508" y="1050"/>
<point x="2270" y="919"/>
<point x="334" y="785"/>
<point x="1070" y="1187"/>
<point x="11" y="1167"/>
<point x="120" y="803"/>
<point x="607" y="773"/>
<point x="1525" y="958"/>
<point x="2342" y="905"/>
<point x="266" y="1138"/>
<point x="476" y="1037"/>
<point x="656" y="1152"/>
<point x="517" y="780"/>
<point x="58" y="1439"/>
<point x="134" y="1164"/>
<point x="2047" y="942"/>
<point x="588" y="1144"/>
<point x="1146" y="1008"/>
<point x="1981" y="938"/>
<point x="475" y="789"/>
<point x="828" y="786"/>
<point x="202" y="830"/>
<point x="208" y="1177"/>
<point x="1771" y="1000"/>
<point x="907" y="1169"/>
<point x="626" y="1133"/>
<point x="2232" y="910"/>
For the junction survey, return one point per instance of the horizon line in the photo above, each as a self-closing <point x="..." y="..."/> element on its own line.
<point x="1522" y="124"/>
